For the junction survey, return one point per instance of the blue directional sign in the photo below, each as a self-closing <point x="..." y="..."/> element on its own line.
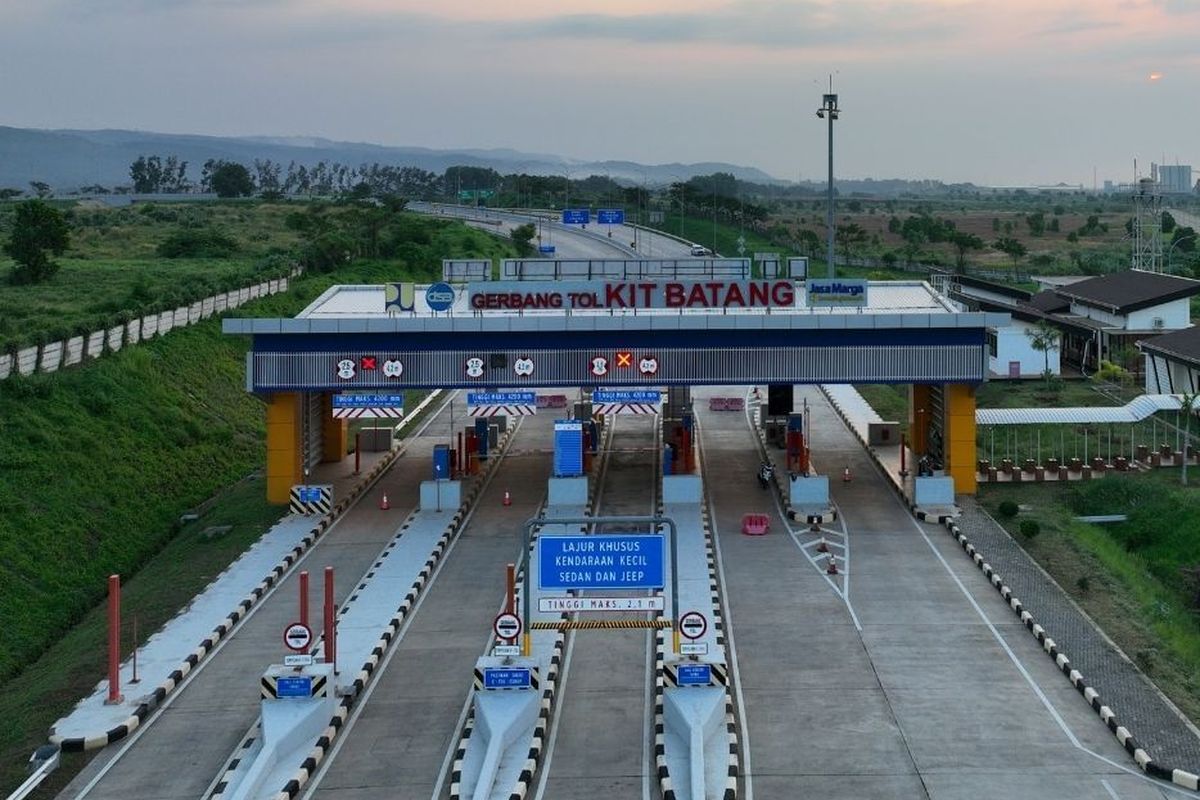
<point x="601" y="561"/>
<point x="501" y="398"/>
<point x="610" y="216"/>
<point x="368" y="401"/>
<point x="694" y="674"/>
<point x="309" y="494"/>
<point x="626" y="396"/>
<point x="293" y="686"/>
<point x="507" y="678"/>
<point x="576" y="216"/>
<point x="546" y="249"/>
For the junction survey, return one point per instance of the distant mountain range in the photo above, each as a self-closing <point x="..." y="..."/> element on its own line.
<point x="68" y="159"/>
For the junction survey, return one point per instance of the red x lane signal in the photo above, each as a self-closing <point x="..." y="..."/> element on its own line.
<point x="367" y="362"/>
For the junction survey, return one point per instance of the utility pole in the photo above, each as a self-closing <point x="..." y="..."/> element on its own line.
<point x="829" y="110"/>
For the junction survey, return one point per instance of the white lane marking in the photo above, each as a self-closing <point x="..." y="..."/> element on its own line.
<point x="1111" y="791"/>
<point x="158" y="712"/>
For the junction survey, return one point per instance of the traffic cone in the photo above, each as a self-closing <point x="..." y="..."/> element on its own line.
<point x="383" y="503"/>
<point x="832" y="568"/>
<point x="846" y="475"/>
<point x="822" y="547"/>
<point x="507" y="499"/>
<point x="757" y="396"/>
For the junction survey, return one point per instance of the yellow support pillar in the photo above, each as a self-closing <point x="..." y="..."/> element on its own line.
<point x="333" y="431"/>
<point x="960" y="436"/>
<point x="284" y="434"/>
<point x="918" y="418"/>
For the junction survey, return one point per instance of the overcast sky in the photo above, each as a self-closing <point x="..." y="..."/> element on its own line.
<point x="1003" y="93"/>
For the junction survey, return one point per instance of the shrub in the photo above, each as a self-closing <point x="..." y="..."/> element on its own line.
<point x="1030" y="528"/>
<point x="192" y="243"/>
<point x="1007" y="508"/>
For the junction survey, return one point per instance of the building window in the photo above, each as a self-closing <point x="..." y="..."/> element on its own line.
<point x="993" y="342"/>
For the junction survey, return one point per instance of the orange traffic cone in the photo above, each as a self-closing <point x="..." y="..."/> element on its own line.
<point x="832" y="568"/>
<point x="846" y="475"/>
<point x="383" y="503"/>
<point x="822" y="547"/>
<point x="507" y="498"/>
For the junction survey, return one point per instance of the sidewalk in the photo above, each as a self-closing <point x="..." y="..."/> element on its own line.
<point x="1104" y="677"/>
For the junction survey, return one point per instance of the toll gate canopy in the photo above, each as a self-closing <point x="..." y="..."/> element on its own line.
<point x="681" y="331"/>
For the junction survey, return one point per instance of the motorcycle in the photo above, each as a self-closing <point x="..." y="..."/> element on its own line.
<point x="766" y="473"/>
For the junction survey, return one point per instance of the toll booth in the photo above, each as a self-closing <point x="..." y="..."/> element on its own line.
<point x="797" y="449"/>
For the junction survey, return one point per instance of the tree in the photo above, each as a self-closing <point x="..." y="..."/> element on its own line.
<point x="1010" y="247"/>
<point x="849" y="237"/>
<point x="8" y="194"/>
<point x="231" y="179"/>
<point x="1188" y="405"/>
<point x="1043" y="337"/>
<point x="40" y="188"/>
<point x="962" y="243"/>
<point x="1168" y="222"/>
<point x="521" y="236"/>
<point x="38" y="229"/>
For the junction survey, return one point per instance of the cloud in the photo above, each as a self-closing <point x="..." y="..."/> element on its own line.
<point x="789" y="25"/>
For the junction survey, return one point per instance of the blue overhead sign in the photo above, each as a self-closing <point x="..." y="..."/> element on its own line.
<point x="694" y="674"/>
<point x="507" y="678"/>
<point x="576" y="216"/>
<point x="293" y="686"/>
<point x="501" y="398"/>
<point x="610" y="216"/>
<point x="626" y="396"/>
<point x="368" y="401"/>
<point x="601" y="561"/>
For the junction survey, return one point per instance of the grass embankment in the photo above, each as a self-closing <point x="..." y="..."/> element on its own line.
<point x="1133" y="578"/>
<point x="96" y="466"/>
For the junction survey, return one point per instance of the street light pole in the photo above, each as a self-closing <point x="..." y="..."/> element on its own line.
<point x="829" y="110"/>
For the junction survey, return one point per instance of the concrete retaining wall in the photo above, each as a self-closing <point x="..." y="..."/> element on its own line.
<point x="53" y="356"/>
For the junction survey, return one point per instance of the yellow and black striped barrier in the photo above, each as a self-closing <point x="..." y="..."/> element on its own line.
<point x="600" y="624"/>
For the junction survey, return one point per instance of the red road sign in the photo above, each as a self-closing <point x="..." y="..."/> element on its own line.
<point x="297" y="636"/>
<point x="693" y="625"/>
<point x="507" y="626"/>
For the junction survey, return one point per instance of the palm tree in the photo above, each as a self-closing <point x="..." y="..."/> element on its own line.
<point x="1043" y="338"/>
<point x="1188" y="405"/>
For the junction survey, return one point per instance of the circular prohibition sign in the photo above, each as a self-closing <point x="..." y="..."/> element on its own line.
<point x="297" y="636"/>
<point x="507" y="626"/>
<point x="693" y="625"/>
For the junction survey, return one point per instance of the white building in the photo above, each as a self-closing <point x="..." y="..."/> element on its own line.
<point x="1173" y="362"/>
<point x="1175" y="179"/>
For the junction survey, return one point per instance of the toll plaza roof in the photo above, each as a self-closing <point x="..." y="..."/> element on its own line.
<point x="509" y="334"/>
<point x="364" y="309"/>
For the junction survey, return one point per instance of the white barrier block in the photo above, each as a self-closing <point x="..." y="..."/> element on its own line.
<point x="116" y="338"/>
<point x="166" y="321"/>
<point x="206" y="307"/>
<point x="809" y="492"/>
<point x="6" y="365"/>
<point x="51" y="356"/>
<point x="133" y="331"/>
<point x="150" y="326"/>
<point x="95" y="344"/>
<point x="283" y="284"/>
<point x="181" y="317"/>
<point x="220" y="303"/>
<point x="440" y="495"/>
<point x="194" y="312"/>
<point x="27" y="360"/>
<point x="74" y="351"/>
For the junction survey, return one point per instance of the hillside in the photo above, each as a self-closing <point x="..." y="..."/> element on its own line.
<point x="68" y="159"/>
